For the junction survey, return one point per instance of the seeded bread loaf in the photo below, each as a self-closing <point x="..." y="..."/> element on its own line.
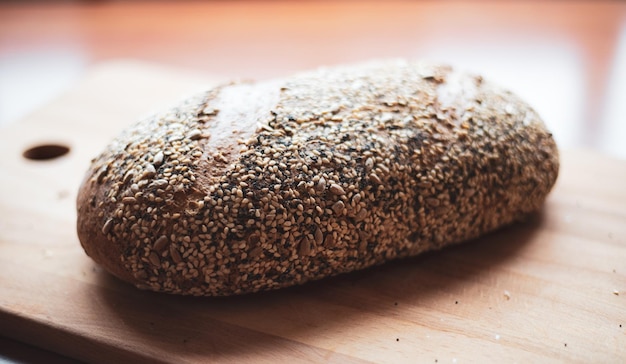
<point x="257" y="186"/>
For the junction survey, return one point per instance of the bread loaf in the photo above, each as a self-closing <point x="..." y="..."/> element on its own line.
<point x="256" y="186"/>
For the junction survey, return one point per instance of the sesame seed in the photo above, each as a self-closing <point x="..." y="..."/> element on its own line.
<point x="321" y="185"/>
<point x="101" y="175"/>
<point x="338" y="207"/>
<point x="337" y="189"/>
<point x="148" y="172"/>
<point x="329" y="240"/>
<point x="160" y="183"/>
<point x="319" y="236"/>
<point x="255" y="252"/>
<point x="128" y="176"/>
<point x="106" y="228"/>
<point x="360" y="215"/>
<point x="158" y="158"/>
<point x="375" y="179"/>
<point x="305" y="247"/>
<point x="154" y="259"/>
<point x="129" y="200"/>
<point x="160" y="243"/>
<point x="174" y="254"/>
<point x="210" y="111"/>
<point x="195" y="134"/>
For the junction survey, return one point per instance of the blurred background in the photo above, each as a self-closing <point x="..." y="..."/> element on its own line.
<point x="566" y="58"/>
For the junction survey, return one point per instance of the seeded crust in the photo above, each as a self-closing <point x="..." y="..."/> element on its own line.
<point x="251" y="187"/>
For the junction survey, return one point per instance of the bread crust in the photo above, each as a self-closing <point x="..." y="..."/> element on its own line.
<point x="251" y="187"/>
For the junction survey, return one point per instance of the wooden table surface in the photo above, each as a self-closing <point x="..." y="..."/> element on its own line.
<point x="567" y="58"/>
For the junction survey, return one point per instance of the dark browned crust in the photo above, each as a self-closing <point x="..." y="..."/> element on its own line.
<point x="107" y="254"/>
<point x="349" y="167"/>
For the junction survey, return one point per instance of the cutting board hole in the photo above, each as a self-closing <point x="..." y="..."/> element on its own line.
<point x="46" y="152"/>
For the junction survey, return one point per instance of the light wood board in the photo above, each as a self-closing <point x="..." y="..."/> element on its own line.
<point x="550" y="289"/>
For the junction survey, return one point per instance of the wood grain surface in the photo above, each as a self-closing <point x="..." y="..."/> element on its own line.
<point x="552" y="289"/>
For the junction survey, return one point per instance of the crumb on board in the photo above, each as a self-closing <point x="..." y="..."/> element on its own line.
<point x="507" y="295"/>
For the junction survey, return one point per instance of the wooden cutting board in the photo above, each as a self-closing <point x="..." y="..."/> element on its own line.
<point x="550" y="289"/>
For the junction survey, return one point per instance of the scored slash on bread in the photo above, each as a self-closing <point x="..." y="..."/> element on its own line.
<point x="256" y="186"/>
